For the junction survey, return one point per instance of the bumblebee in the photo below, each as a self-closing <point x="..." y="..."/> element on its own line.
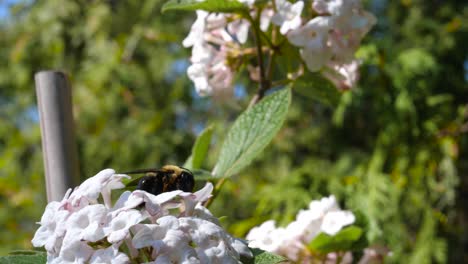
<point x="168" y="178"/>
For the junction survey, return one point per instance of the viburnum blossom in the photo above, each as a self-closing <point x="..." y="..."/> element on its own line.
<point x="291" y="241"/>
<point x="335" y="7"/>
<point x="212" y="37"/>
<point x="333" y="37"/>
<point x="172" y="226"/>
<point x="288" y="15"/>
<point x="327" y="41"/>
<point x="109" y="255"/>
<point x="343" y="76"/>
<point x="313" y="40"/>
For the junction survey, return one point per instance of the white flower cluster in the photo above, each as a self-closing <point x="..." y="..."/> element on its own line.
<point x="291" y="241"/>
<point x="326" y="41"/>
<point x="172" y="227"/>
<point x="212" y="37"/>
<point x="330" y="39"/>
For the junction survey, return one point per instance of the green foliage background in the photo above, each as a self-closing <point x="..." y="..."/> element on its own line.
<point x="393" y="150"/>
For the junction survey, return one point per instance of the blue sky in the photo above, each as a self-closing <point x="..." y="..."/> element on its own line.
<point x="4" y="7"/>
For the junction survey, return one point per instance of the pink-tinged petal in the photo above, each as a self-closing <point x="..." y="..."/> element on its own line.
<point x="192" y="199"/>
<point x="343" y="76"/>
<point x="265" y="18"/>
<point x="205" y="193"/>
<point x="88" y="192"/>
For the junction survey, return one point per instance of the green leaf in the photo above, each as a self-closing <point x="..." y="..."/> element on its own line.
<point x="132" y="181"/>
<point x="263" y="257"/>
<point x="202" y="175"/>
<point x="342" y="241"/>
<point x="316" y="87"/>
<point x="200" y="149"/>
<point x="24" y="257"/>
<point x="251" y="133"/>
<point x="223" y="6"/>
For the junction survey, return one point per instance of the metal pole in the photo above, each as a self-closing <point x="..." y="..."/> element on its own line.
<point x="57" y="131"/>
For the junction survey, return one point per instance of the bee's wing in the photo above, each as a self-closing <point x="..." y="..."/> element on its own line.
<point x="142" y="171"/>
<point x="148" y="172"/>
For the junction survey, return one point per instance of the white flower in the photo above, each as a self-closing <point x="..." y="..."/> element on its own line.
<point x="324" y="205"/>
<point x="363" y="21"/>
<point x="167" y="240"/>
<point x="88" y="223"/>
<point x="203" y="213"/>
<point x="306" y="226"/>
<point x="315" y="59"/>
<point x="265" y="18"/>
<point x="197" y="73"/>
<point x="212" y="76"/>
<point x="288" y="15"/>
<point x="322" y="216"/>
<point x="196" y="32"/>
<point x="211" y="38"/>
<point x="312" y="38"/>
<point x="247" y="2"/>
<point x="52" y="229"/>
<point x="343" y="76"/>
<point x="118" y="227"/>
<point x="102" y="183"/>
<point x="73" y="250"/>
<point x="192" y="199"/>
<point x="333" y="222"/>
<point x="336" y="7"/>
<point x="350" y="23"/>
<point x="346" y="37"/>
<point x="266" y="237"/>
<point x="211" y="242"/>
<point x="173" y="225"/>
<point x="149" y="233"/>
<point x="240" y="29"/>
<point x="189" y="240"/>
<point x="109" y="255"/>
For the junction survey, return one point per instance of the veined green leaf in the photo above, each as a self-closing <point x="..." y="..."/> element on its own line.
<point x="200" y="149"/>
<point x="223" y="6"/>
<point x="251" y="133"/>
<point x="263" y="257"/>
<point x="24" y="257"/>
<point x="316" y="87"/>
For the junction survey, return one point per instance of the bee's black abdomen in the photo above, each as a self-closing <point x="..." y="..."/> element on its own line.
<point x="151" y="184"/>
<point x="185" y="182"/>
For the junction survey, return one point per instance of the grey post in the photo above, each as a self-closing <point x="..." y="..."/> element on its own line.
<point x="57" y="131"/>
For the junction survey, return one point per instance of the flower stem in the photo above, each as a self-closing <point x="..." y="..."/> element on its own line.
<point x="264" y="84"/>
